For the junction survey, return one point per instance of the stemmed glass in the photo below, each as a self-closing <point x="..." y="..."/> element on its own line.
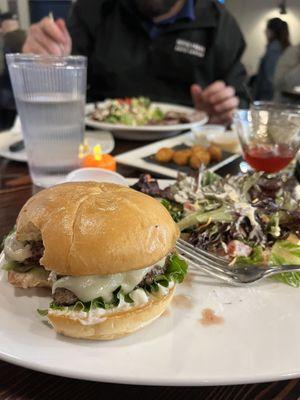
<point x="269" y="134"/>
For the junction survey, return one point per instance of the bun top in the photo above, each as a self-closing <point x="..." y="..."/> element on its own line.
<point x="91" y="228"/>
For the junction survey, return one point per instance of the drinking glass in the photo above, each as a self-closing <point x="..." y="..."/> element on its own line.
<point x="50" y="99"/>
<point x="269" y="134"/>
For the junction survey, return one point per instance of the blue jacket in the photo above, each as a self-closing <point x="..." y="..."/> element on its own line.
<point x="264" y="84"/>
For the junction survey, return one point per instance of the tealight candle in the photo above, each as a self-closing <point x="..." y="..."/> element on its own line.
<point x="100" y="160"/>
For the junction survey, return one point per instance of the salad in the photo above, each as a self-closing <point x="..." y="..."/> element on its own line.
<point x="137" y="111"/>
<point x="248" y="219"/>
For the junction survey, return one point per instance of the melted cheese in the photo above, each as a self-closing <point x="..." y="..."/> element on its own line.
<point x="88" y="288"/>
<point x="15" y="250"/>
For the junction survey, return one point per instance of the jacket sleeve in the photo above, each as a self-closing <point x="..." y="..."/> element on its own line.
<point x="287" y="73"/>
<point x="79" y="29"/>
<point x="230" y="46"/>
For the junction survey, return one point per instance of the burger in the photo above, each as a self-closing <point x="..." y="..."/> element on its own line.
<point x="106" y="250"/>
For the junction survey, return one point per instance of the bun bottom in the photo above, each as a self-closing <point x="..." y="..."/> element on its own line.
<point x="114" y="325"/>
<point x="30" y="279"/>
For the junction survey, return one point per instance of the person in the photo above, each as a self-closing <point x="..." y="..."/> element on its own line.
<point x="287" y="73"/>
<point x="169" y="50"/>
<point x="12" y="40"/>
<point x="277" y="33"/>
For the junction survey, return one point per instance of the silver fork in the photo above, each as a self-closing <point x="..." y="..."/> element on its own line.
<point x="220" y="268"/>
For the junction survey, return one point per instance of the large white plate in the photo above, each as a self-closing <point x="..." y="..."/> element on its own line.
<point x="135" y="158"/>
<point x="146" y="132"/>
<point x="258" y="340"/>
<point x="7" y="138"/>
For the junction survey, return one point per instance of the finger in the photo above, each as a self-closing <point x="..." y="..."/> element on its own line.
<point x="227" y="105"/>
<point x="196" y="93"/>
<point x="50" y="46"/>
<point x="68" y="41"/>
<point x="215" y="87"/>
<point x="222" y="95"/>
<point x="50" y="29"/>
<point x="32" y="47"/>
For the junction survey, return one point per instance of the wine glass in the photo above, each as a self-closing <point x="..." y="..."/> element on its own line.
<point x="269" y="134"/>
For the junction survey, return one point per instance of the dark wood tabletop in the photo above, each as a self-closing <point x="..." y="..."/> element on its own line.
<point x="18" y="383"/>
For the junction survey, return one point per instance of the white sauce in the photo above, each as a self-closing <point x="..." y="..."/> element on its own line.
<point x="15" y="250"/>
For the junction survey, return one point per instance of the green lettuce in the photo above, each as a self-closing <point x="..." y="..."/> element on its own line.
<point x="256" y="257"/>
<point x="285" y="252"/>
<point x="175" y="210"/>
<point x="222" y="214"/>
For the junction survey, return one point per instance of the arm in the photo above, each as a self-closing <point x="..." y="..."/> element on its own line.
<point x="287" y="73"/>
<point x="230" y="46"/>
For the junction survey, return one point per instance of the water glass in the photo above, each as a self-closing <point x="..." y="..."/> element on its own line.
<point x="50" y="99"/>
<point x="269" y="134"/>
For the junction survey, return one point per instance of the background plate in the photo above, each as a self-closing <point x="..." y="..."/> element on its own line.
<point x="139" y="157"/>
<point x="257" y="341"/>
<point x="146" y="132"/>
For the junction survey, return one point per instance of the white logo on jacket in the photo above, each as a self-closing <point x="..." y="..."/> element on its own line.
<point x="192" y="48"/>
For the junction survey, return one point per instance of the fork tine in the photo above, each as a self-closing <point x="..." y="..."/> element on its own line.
<point x="197" y="258"/>
<point x="204" y="253"/>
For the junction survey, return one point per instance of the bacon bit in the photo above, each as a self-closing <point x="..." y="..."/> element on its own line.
<point x="237" y="248"/>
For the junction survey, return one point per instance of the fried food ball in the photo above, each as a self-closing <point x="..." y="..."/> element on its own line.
<point x="195" y="162"/>
<point x="164" y="155"/>
<point x="203" y="156"/>
<point x="215" y="152"/>
<point x="182" y="157"/>
<point x="197" y="148"/>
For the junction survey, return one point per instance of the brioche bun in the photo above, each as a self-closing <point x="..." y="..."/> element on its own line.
<point x="114" y="325"/>
<point x="91" y="228"/>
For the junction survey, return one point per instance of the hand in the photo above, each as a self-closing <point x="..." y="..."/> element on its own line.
<point x="9" y="25"/>
<point x="217" y="99"/>
<point x="48" y="37"/>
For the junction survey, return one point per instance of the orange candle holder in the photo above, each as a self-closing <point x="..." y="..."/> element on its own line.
<point x="96" y="159"/>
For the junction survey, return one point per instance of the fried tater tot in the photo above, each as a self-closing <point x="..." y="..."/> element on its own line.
<point x="203" y="156"/>
<point x="164" y="155"/>
<point x="182" y="157"/>
<point x="215" y="152"/>
<point x="197" y="148"/>
<point x="195" y="162"/>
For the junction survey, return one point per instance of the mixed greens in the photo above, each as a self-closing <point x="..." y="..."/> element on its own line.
<point x="129" y="111"/>
<point x="248" y="219"/>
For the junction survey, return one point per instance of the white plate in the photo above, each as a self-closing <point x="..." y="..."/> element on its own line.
<point x="146" y="132"/>
<point x="135" y="158"/>
<point x="257" y="342"/>
<point x="105" y="139"/>
<point x="97" y="175"/>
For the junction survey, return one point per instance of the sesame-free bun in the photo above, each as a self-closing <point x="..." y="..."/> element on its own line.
<point x="114" y="325"/>
<point x="91" y="228"/>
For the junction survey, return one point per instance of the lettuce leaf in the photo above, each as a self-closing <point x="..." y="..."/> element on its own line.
<point x="285" y="252"/>
<point x="256" y="257"/>
<point x="175" y="210"/>
<point x="175" y="272"/>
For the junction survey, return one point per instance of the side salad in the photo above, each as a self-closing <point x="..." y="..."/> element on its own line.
<point x="248" y="219"/>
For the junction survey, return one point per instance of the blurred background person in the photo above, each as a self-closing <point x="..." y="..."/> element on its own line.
<point x="177" y="51"/>
<point x="287" y="73"/>
<point x="12" y="39"/>
<point x="277" y="33"/>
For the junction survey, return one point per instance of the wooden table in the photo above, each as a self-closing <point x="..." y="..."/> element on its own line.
<point x="18" y="383"/>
